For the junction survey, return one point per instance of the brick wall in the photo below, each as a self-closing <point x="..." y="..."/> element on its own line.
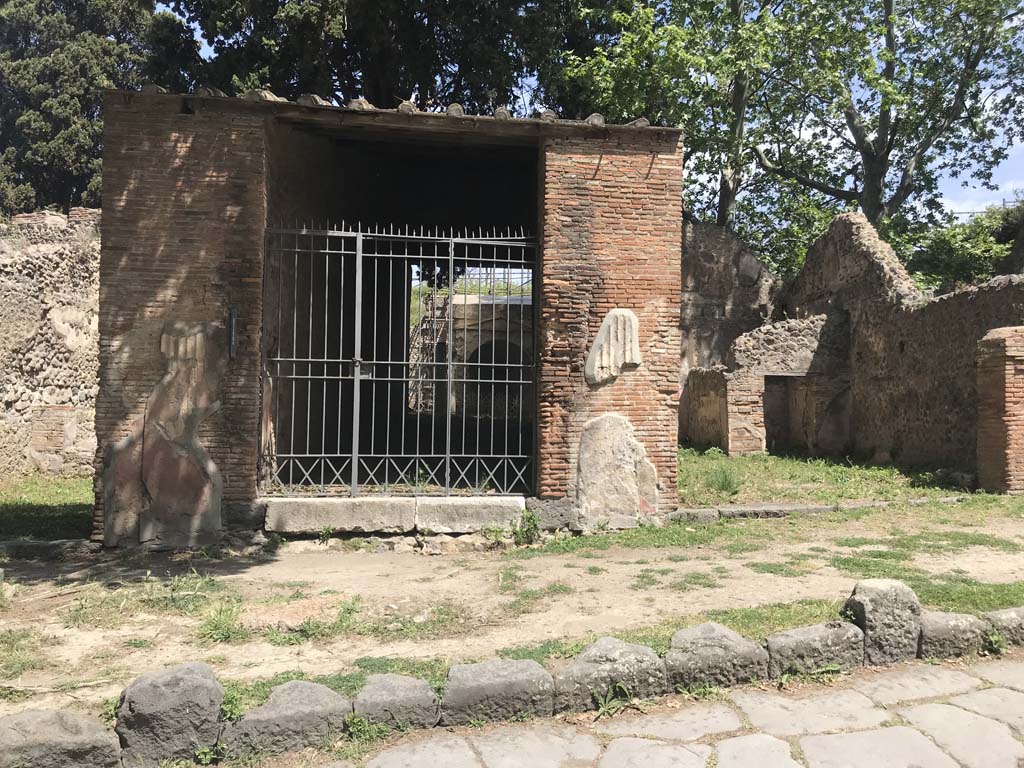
<point x="611" y="238"/>
<point x="183" y="221"/>
<point x="1000" y="367"/>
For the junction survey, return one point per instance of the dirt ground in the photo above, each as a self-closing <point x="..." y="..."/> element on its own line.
<point x="89" y="632"/>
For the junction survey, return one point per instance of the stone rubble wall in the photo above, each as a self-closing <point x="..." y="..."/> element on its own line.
<point x="175" y="714"/>
<point x="49" y="288"/>
<point x="890" y="375"/>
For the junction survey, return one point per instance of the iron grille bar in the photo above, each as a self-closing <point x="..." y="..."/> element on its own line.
<point x="418" y="355"/>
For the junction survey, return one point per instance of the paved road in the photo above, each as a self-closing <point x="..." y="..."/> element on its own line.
<point x="913" y="716"/>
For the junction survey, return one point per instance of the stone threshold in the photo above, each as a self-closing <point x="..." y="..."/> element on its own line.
<point x="392" y="514"/>
<point x="730" y="511"/>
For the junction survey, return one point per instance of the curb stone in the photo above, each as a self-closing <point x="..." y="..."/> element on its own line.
<point x="154" y="730"/>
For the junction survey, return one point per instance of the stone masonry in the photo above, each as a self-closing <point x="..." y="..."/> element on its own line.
<point x="49" y="273"/>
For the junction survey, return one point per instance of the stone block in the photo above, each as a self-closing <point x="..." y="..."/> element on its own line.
<point x="889" y="614"/>
<point x="1009" y="623"/>
<point x="616" y="347"/>
<point x="168" y="715"/>
<point x="945" y="635"/>
<point x="617" y="483"/>
<point x="604" y="665"/>
<point x="555" y="514"/>
<point x="356" y="515"/>
<point x="467" y="514"/>
<point x="398" y="701"/>
<point x="710" y="654"/>
<point x="498" y="689"/>
<point x="807" y="649"/>
<point x="298" y="715"/>
<point x="56" y="739"/>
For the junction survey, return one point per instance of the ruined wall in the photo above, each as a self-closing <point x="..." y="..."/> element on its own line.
<point x="611" y="239"/>
<point x="183" y="223"/>
<point x="849" y="266"/>
<point x="726" y="291"/>
<point x="914" y="391"/>
<point x="49" y="269"/>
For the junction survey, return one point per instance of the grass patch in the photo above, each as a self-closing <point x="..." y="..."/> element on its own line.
<point x="351" y="620"/>
<point x="775" y="569"/>
<point x="189" y="594"/>
<point x="222" y="625"/>
<point x="21" y="650"/>
<point x="710" y="477"/>
<point x="694" y="580"/>
<point x="38" y="508"/>
<point x="240" y="696"/>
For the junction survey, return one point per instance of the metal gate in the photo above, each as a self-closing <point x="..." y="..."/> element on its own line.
<point x="398" y="360"/>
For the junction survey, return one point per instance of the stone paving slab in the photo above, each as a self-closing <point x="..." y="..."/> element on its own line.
<point x="540" y="747"/>
<point x="896" y="747"/>
<point x="686" y="724"/>
<point x="444" y="749"/>
<point x="1008" y="674"/>
<point x="833" y="711"/>
<point x="916" y="683"/>
<point x="757" y="749"/>
<point x="976" y="741"/>
<point x="996" y="703"/>
<point x="631" y="752"/>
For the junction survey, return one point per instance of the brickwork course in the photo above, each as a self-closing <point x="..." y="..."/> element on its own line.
<point x="1000" y="367"/>
<point x="191" y="183"/>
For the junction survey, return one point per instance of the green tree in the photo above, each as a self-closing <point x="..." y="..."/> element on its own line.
<point x="430" y="51"/>
<point x="898" y="92"/>
<point x="56" y="58"/>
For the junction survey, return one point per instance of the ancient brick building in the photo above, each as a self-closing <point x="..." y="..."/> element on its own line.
<point x="364" y="319"/>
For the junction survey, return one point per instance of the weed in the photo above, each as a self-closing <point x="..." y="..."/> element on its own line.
<point x="324" y="537"/>
<point x="20" y="651"/>
<point x="693" y="580"/>
<point x="823" y="676"/>
<point x="495" y="535"/>
<point x="775" y="569"/>
<point x="527" y="530"/>
<point x="108" y="710"/>
<point x="723" y="480"/>
<point x="614" y="701"/>
<point x="678" y="558"/>
<point x="138" y="642"/>
<point x="993" y="644"/>
<point x="702" y="692"/>
<point x="595" y="570"/>
<point x="646" y="579"/>
<point x="211" y="755"/>
<point x="222" y="625"/>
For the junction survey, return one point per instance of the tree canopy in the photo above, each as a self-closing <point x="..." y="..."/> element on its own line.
<point x="793" y="109"/>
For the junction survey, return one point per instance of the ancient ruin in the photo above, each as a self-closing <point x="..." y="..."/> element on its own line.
<point x="853" y="360"/>
<point x="402" y="321"/>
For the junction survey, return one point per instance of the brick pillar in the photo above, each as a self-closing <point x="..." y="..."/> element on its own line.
<point x="1000" y="380"/>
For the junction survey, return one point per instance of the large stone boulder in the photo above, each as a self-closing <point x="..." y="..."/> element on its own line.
<point x="398" y="701"/>
<point x="819" y="646"/>
<point x="710" y="654"/>
<point x="298" y="715"/>
<point x="499" y="689"/>
<point x="604" y="666"/>
<point x="889" y="614"/>
<point x="1009" y="623"/>
<point x="169" y="715"/>
<point x="945" y="635"/>
<point x="617" y="485"/>
<point x="37" y="738"/>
